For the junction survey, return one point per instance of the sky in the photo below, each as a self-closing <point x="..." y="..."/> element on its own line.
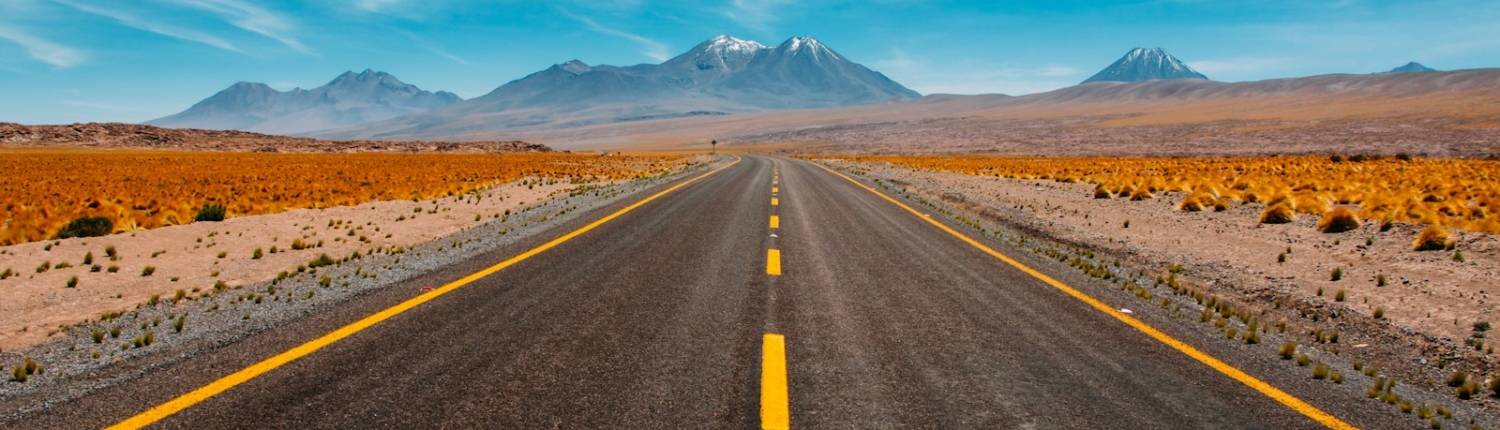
<point x="65" y="61"/>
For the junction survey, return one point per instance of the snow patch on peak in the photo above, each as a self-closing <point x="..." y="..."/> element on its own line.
<point x="726" y="43"/>
<point x="813" y="47"/>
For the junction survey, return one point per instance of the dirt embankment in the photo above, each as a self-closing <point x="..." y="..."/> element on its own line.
<point x="134" y="136"/>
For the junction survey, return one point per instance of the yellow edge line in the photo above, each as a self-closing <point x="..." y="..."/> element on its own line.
<point x="1264" y="388"/>
<point x="186" y="400"/>
<point x="775" y="406"/>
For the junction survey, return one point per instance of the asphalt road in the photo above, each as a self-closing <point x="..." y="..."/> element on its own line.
<point x="656" y="320"/>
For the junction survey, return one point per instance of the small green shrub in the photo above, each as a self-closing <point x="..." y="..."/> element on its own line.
<point x="88" y="258"/>
<point x="148" y="270"/>
<point x="87" y="227"/>
<point x="73" y="282"/>
<point x="1303" y="360"/>
<point x="1379" y="313"/>
<point x="1338" y="273"/>
<point x="211" y="212"/>
<point x="112" y="269"/>
<point x="1339" y="296"/>
<point x="257" y="254"/>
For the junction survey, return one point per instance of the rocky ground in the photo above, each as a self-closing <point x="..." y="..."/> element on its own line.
<point x="112" y="326"/>
<point x="134" y="136"/>
<point x="1419" y="326"/>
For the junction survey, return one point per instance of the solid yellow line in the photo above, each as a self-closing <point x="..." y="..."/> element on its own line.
<point x="775" y="406"/>
<point x="774" y="201"/>
<point x="1264" y="388"/>
<point x="186" y="400"/>
<point x="773" y="262"/>
<point x="775" y="221"/>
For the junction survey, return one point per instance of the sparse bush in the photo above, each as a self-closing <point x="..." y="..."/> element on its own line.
<point x="1099" y="193"/>
<point x="1458" y="256"/>
<point x="112" y="269"/>
<point x="211" y="212"/>
<point x="1433" y="238"/>
<point x="1338" y="273"/>
<point x="321" y="261"/>
<point x="98" y="336"/>
<point x="1278" y="214"/>
<point x="109" y="251"/>
<point x="179" y="322"/>
<point x="1379" y="313"/>
<point x="1458" y="379"/>
<point x="1468" y="390"/>
<point x="148" y="270"/>
<point x="87" y="227"/>
<point x="88" y="258"/>
<point x="1303" y="360"/>
<point x="1339" y="220"/>
<point x="73" y="282"/>
<point x="1320" y="371"/>
<point x="1339" y="296"/>
<point x="1380" y="280"/>
<point x="257" y="254"/>
<point x="1288" y="351"/>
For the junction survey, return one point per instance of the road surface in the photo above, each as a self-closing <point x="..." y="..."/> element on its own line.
<point x="658" y="318"/>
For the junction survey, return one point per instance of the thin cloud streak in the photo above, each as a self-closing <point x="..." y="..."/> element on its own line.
<point x="42" y="49"/>
<point x="252" y="19"/>
<point x="753" y="14"/>
<point x="154" y="27"/>
<point x="655" y="50"/>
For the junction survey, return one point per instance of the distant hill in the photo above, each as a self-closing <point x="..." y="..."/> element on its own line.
<point x="1412" y="67"/>
<point x="720" y="76"/>
<point x="1141" y="64"/>
<point x="138" y="136"/>
<point x="350" y="99"/>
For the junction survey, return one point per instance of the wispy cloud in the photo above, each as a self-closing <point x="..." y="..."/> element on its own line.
<point x="377" y="5"/>
<point x="164" y="29"/>
<point x="754" y="14"/>
<point x="42" y="49"/>
<point x="650" y="48"/>
<point x="251" y="18"/>
<point x="434" y="48"/>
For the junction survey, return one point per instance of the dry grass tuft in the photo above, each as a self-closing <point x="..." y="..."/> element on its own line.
<point x="1433" y="238"/>
<point x="1339" y="220"/>
<point x="1278" y="214"/>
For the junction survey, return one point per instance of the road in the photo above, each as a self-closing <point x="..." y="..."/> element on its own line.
<point x="658" y="318"/>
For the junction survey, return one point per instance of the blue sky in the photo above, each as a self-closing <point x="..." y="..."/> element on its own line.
<point x="64" y="61"/>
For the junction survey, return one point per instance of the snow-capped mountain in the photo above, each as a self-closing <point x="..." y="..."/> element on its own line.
<point x="1142" y="64"/>
<point x="349" y="99"/>
<point x="720" y="76"/>
<point x="1412" y="67"/>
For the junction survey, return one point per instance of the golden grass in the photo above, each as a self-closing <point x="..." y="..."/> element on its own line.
<point x="1452" y="193"/>
<point x="1433" y="238"/>
<point x="44" y="190"/>
<point x="1339" y="220"/>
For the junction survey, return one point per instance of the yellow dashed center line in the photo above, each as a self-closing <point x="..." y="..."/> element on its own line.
<point x="773" y="262"/>
<point x="775" y="406"/>
<point x="214" y="388"/>
<point x="773" y="189"/>
<point x="774" y="201"/>
<point x="775" y="221"/>
<point x="1234" y="373"/>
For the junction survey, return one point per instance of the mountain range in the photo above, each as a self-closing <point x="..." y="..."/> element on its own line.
<point x="720" y="76"/>
<point x="350" y="99"/>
